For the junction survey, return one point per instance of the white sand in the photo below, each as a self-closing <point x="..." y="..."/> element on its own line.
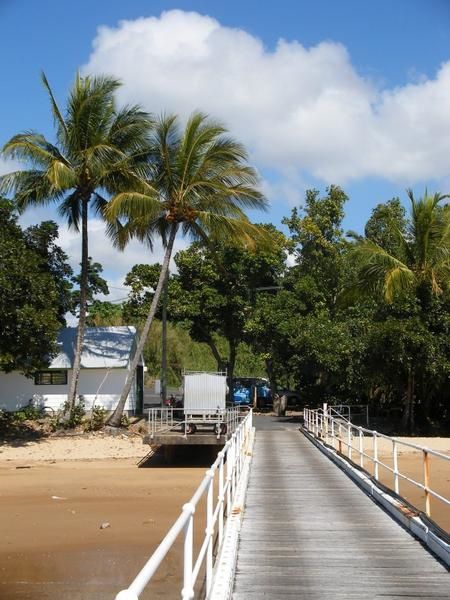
<point x="83" y="447"/>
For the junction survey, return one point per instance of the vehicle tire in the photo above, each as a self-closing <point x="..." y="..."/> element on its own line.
<point x="220" y="429"/>
<point x="188" y="428"/>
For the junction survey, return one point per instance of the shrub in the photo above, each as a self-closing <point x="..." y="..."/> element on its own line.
<point x="64" y="420"/>
<point x="124" y="421"/>
<point x="96" y="420"/>
<point x="28" y="413"/>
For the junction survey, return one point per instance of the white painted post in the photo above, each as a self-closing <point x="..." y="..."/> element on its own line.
<point x="126" y="595"/>
<point x="395" y="465"/>
<point x="229" y="477"/>
<point x="375" y="454"/>
<point x="233" y="467"/>
<point x="361" y="448"/>
<point x="426" y="482"/>
<point x="209" y="531"/>
<point x="238" y="454"/>
<point x="187" y="593"/>
<point x="220" y="498"/>
<point x="349" y="441"/>
<point x="325" y="421"/>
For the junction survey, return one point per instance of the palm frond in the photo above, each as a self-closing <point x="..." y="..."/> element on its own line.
<point x="58" y="119"/>
<point x="70" y="209"/>
<point x="380" y="272"/>
<point x="130" y="130"/>
<point x="33" y="149"/>
<point x="30" y="187"/>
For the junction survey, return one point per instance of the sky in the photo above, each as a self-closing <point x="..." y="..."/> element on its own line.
<point x="354" y="93"/>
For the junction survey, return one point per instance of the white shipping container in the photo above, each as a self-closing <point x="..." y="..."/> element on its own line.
<point x="204" y="392"/>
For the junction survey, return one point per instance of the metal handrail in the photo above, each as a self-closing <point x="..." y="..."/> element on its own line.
<point x="322" y="424"/>
<point x="164" y="419"/>
<point x="232" y="454"/>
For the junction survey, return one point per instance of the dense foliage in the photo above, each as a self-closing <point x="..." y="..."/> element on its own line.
<point x="319" y="326"/>
<point x="35" y="292"/>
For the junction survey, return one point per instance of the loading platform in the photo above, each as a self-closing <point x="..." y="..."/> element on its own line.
<point x="174" y="427"/>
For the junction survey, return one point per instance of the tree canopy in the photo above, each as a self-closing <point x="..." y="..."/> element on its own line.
<point x="35" y="292"/>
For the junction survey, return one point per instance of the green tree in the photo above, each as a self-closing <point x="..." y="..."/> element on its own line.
<point x="215" y="290"/>
<point x="98" y="149"/>
<point x="294" y="322"/>
<point x="387" y="226"/>
<point x="35" y="292"/>
<point x="95" y="285"/>
<point x="105" y="314"/>
<point x="143" y="281"/>
<point x="200" y="185"/>
<point x="410" y="274"/>
<point x="422" y="261"/>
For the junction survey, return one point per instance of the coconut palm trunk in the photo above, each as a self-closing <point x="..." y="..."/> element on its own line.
<point x="116" y="417"/>
<point x="83" y="308"/>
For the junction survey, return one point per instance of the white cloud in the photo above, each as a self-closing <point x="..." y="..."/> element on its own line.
<point x="8" y="165"/>
<point x="297" y="108"/>
<point x="116" y="264"/>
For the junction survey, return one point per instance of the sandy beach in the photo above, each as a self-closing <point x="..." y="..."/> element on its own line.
<point x="55" y="497"/>
<point x="56" y="493"/>
<point x="410" y="464"/>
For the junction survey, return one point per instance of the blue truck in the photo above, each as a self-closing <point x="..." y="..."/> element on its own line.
<point x="245" y="388"/>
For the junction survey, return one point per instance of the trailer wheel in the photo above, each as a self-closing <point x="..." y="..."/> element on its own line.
<point x="222" y="429"/>
<point x="189" y="428"/>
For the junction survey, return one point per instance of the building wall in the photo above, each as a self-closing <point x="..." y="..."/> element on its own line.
<point x="16" y="391"/>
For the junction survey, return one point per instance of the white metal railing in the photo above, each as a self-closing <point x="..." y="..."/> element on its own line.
<point x="341" y="435"/>
<point x="230" y="458"/>
<point x="165" y="420"/>
<point x="348" y="411"/>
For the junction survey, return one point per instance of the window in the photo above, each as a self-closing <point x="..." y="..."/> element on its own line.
<point x="50" y="378"/>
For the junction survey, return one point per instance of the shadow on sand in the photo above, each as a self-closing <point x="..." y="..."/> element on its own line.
<point x="180" y="456"/>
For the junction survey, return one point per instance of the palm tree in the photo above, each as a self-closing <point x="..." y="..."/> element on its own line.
<point x="200" y="185"/>
<point x="421" y="267"/>
<point x="423" y="259"/>
<point x="98" y="150"/>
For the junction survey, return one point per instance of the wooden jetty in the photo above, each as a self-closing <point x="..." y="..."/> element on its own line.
<point x="310" y="533"/>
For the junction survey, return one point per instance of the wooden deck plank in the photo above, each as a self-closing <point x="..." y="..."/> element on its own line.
<point x="310" y="532"/>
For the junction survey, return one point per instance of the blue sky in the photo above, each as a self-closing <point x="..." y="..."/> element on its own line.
<point x="357" y="93"/>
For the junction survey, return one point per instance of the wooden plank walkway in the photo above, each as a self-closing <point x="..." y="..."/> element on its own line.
<point x="310" y="532"/>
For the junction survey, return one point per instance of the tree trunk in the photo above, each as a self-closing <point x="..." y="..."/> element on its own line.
<point x="211" y="345"/>
<point x="164" y="343"/>
<point x="230" y="374"/>
<point x="83" y="307"/>
<point x="408" y="409"/>
<point x="115" y="419"/>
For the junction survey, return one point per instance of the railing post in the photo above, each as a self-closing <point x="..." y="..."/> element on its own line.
<point x="233" y="468"/>
<point x="187" y="593"/>
<point x="229" y="476"/>
<point x="395" y="466"/>
<point x="221" y="498"/>
<point x="209" y="532"/>
<point x="349" y="441"/>
<point x="333" y="437"/>
<point x="361" y="448"/>
<point x="426" y="482"/>
<point x="375" y="454"/>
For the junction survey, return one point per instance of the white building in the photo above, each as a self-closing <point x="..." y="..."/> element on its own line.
<point x="105" y="363"/>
